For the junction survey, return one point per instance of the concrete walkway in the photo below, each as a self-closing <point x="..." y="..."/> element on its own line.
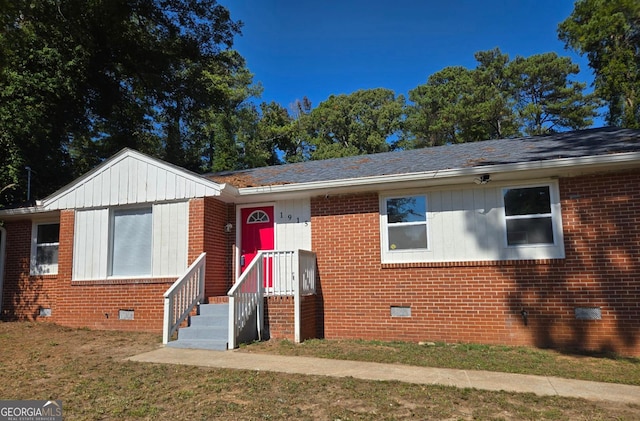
<point x="486" y="380"/>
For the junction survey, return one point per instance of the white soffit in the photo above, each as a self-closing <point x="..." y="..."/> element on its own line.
<point x="131" y="177"/>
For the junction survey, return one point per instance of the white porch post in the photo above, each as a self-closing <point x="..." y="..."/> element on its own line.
<point x="297" y="285"/>
<point x="260" y="303"/>
<point x="232" y="323"/>
<point x="166" y="325"/>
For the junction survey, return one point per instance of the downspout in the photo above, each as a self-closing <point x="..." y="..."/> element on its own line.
<point x="3" y="248"/>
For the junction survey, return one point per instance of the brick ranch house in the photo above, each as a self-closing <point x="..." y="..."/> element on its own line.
<point x="529" y="241"/>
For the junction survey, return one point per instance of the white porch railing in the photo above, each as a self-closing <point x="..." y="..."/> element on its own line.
<point x="269" y="273"/>
<point x="183" y="296"/>
<point x="246" y="300"/>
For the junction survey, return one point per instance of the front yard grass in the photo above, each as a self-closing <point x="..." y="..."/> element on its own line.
<point x="87" y="370"/>
<point x="523" y="360"/>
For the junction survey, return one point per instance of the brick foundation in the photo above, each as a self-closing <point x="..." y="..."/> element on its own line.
<point x="279" y="317"/>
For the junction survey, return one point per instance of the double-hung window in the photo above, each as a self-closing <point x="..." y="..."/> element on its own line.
<point x="44" y="252"/>
<point x="406" y="223"/>
<point x="529" y="216"/>
<point x="131" y="242"/>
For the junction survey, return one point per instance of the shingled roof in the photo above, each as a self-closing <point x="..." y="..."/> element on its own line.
<point x="576" y="144"/>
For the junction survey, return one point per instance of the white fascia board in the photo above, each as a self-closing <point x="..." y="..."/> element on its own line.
<point x="32" y="212"/>
<point x="537" y="169"/>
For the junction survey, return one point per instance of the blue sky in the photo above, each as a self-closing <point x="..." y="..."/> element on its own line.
<point x="316" y="48"/>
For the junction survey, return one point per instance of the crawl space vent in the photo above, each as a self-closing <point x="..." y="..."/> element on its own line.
<point x="588" y="313"/>
<point x="125" y="314"/>
<point x="397" y="311"/>
<point x="45" y="312"/>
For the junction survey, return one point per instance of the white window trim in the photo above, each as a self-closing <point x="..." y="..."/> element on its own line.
<point x="395" y="256"/>
<point x="555" y="214"/>
<point x="36" y="269"/>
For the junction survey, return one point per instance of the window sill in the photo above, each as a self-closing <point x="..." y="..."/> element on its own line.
<point x="479" y="263"/>
<point x="123" y="281"/>
<point x="44" y="275"/>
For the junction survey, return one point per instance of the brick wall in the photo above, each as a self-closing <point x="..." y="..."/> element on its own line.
<point x="93" y="304"/>
<point x="207" y="220"/>
<point x="23" y="295"/>
<point x="483" y="301"/>
<point x="279" y="317"/>
<point x="96" y="304"/>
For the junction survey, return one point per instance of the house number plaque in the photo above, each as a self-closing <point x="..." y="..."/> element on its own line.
<point x="292" y="218"/>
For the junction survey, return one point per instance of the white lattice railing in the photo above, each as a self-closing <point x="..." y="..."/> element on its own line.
<point x="183" y="296"/>
<point x="269" y="273"/>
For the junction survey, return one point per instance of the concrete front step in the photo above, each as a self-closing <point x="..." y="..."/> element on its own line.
<point x="214" y="310"/>
<point x="203" y="332"/>
<point x="201" y="320"/>
<point x="207" y="330"/>
<point x="217" y="345"/>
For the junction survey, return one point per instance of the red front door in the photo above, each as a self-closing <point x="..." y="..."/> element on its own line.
<point x="257" y="234"/>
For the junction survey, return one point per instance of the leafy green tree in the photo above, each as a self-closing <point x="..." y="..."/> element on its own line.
<point x="546" y="100"/>
<point x="80" y="79"/>
<point x="437" y="118"/>
<point x="461" y="105"/>
<point x="296" y="147"/>
<point x="211" y="134"/>
<point x="492" y="100"/>
<point x="497" y="99"/>
<point x="608" y="32"/>
<point x="276" y="133"/>
<point x="354" y="124"/>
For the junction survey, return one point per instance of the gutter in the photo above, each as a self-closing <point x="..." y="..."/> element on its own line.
<point x="19" y="212"/>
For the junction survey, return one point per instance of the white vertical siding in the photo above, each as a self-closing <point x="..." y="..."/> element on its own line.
<point x="152" y="181"/>
<point x="293" y="224"/>
<point x="130" y="179"/>
<point x="170" y="241"/>
<point x="467" y="224"/>
<point x="90" y="244"/>
<point x="460" y="224"/>
<point x="104" y="182"/>
<point x="170" y="238"/>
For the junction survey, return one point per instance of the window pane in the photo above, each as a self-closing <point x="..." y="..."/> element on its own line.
<point x="406" y="237"/>
<point x="527" y="201"/>
<point x="406" y="209"/>
<point x="49" y="233"/>
<point x="131" y="242"/>
<point x="529" y="231"/>
<point x="47" y="255"/>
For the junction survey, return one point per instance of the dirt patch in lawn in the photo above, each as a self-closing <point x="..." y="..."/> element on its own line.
<point x="87" y="371"/>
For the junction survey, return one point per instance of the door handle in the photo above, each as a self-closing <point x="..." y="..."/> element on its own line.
<point x="242" y="261"/>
